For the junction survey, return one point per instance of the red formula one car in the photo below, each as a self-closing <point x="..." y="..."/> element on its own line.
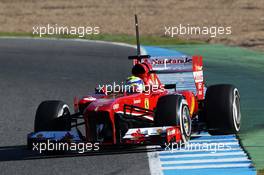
<point x="162" y="113"/>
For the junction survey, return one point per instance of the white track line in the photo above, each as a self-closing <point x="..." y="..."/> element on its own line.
<point x="213" y="143"/>
<point x="204" y="155"/>
<point x="208" y="166"/>
<point x="154" y="163"/>
<point x="201" y="135"/>
<point x="212" y="140"/>
<point x="197" y="150"/>
<point x="143" y="51"/>
<point x="241" y="159"/>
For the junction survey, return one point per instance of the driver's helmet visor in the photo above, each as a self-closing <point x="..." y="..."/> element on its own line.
<point x="134" y="85"/>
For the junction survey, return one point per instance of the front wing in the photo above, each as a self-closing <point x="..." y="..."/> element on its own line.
<point x="135" y="136"/>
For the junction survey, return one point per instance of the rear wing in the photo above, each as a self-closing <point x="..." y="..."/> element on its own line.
<point x="185" y="71"/>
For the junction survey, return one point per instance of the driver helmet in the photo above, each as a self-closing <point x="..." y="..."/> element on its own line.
<point x="134" y="85"/>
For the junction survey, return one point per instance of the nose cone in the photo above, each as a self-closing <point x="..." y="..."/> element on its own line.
<point x="101" y="105"/>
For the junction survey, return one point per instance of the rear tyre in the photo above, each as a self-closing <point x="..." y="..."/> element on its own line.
<point x="52" y="116"/>
<point x="222" y="109"/>
<point x="172" y="110"/>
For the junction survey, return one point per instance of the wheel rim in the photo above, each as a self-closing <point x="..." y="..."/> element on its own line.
<point x="236" y="110"/>
<point x="186" y="121"/>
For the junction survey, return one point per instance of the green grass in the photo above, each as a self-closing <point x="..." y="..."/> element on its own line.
<point x="129" y="39"/>
<point x="261" y="172"/>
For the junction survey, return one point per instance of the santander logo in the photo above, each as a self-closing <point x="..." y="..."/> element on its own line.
<point x="171" y="61"/>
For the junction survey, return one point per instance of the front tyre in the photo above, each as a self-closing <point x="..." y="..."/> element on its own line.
<point x="185" y="123"/>
<point x="52" y="116"/>
<point x="172" y="110"/>
<point x="222" y="109"/>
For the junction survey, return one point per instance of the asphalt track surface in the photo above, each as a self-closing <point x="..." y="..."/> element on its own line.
<point x="35" y="70"/>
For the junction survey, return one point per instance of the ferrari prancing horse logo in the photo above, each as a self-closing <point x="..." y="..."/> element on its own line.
<point x="146" y="103"/>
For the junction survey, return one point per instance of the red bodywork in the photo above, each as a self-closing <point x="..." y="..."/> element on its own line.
<point x="114" y="103"/>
